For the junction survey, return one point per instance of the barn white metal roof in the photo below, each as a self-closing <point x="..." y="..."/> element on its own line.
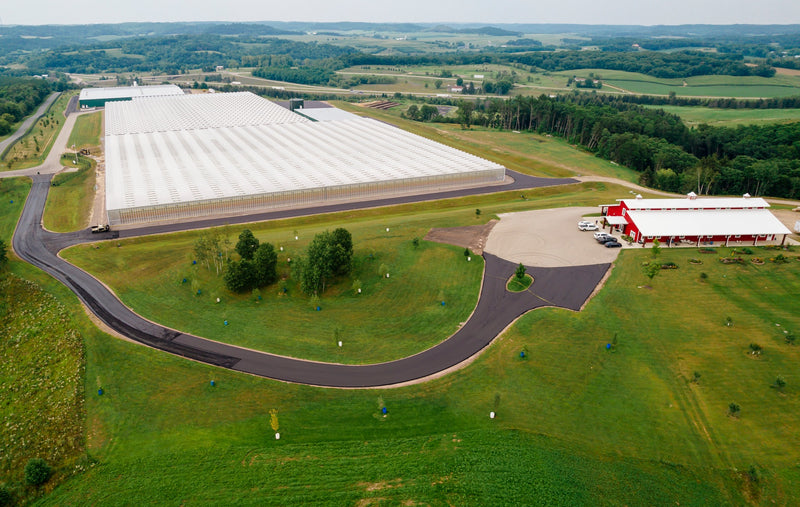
<point x="123" y="92"/>
<point x="707" y="222"/>
<point x="696" y="203"/>
<point x="202" y="147"/>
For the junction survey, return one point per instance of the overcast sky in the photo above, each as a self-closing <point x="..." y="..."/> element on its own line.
<point x="622" y="12"/>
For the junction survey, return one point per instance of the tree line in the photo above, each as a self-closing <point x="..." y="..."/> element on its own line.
<point x="757" y="159"/>
<point x="19" y="97"/>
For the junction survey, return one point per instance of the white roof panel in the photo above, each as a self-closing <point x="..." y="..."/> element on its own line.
<point x="189" y="112"/>
<point x="707" y="222"/>
<point x="327" y="114"/>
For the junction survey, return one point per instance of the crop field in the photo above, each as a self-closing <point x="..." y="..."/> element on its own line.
<point x="732" y="117"/>
<point x="32" y="149"/>
<point x="87" y="131"/>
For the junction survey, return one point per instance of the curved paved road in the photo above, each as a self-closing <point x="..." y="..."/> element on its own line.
<point x="567" y="287"/>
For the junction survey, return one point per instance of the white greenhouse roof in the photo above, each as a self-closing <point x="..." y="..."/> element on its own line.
<point x="707" y="222"/>
<point x="698" y="203"/>
<point x="123" y="92"/>
<point x="226" y="153"/>
<point x="189" y="112"/>
<point x="327" y="114"/>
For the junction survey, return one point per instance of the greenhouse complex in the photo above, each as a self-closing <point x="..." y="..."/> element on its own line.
<point x="180" y="157"/>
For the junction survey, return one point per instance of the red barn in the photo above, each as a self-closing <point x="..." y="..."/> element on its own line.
<point x="694" y="220"/>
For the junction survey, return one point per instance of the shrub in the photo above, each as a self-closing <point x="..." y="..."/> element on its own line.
<point x="37" y="472"/>
<point x="755" y="349"/>
<point x="520" y="272"/>
<point x="669" y="265"/>
<point x="703" y="276"/>
<point x="5" y="496"/>
<point x="734" y="409"/>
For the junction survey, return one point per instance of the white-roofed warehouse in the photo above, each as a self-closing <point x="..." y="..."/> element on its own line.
<point x="98" y="97"/>
<point x="172" y="158"/>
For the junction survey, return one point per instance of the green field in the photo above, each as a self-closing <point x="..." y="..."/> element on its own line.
<point x="698" y="86"/>
<point x="576" y="423"/>
<point x="732" y="117"/>
<point x="70" y="199"/>
<point x="412" y="79"/>
<point x="86" y="133"/>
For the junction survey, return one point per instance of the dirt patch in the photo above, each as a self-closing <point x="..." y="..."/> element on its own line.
<point x="472" y="236"/>
<point x="786" y="72"/>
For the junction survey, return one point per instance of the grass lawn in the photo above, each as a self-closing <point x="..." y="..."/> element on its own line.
<point x="86" y="133"/>
<point x="70" y="199"/>
<point x="517" y="285"/>
<point x="524" y="152"/>
<point x="576" y="423"/>
<point x="32" y="149"/>
<point x="731" y="117"/>
<point x="14" y="191"/>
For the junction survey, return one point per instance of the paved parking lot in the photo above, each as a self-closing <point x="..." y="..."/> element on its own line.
<point x="548" y="238"/>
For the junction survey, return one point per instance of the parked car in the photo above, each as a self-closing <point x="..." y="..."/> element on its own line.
<point x="600" y="234"/>
<point x="100" y="228"/>
<point x="587" y="226"/>
<point x="606" y="239"/>
<point x="612" y="244"/>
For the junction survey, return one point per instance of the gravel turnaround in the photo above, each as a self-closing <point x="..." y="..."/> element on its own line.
<point x="567" y="287"/>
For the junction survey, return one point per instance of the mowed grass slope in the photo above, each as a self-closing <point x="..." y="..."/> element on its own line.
<point x="86" y="133"/>
<point x="70" y="198"/>
<point x="576" y="423"/>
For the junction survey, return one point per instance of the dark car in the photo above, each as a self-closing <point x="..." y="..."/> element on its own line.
<point x="612" y="244"/>
<point x="606" y="239"/>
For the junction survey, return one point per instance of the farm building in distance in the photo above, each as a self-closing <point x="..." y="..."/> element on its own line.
<point x="97" y="97"/>
<point x="176" y="158"/>
<point x="695" y="221"/>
